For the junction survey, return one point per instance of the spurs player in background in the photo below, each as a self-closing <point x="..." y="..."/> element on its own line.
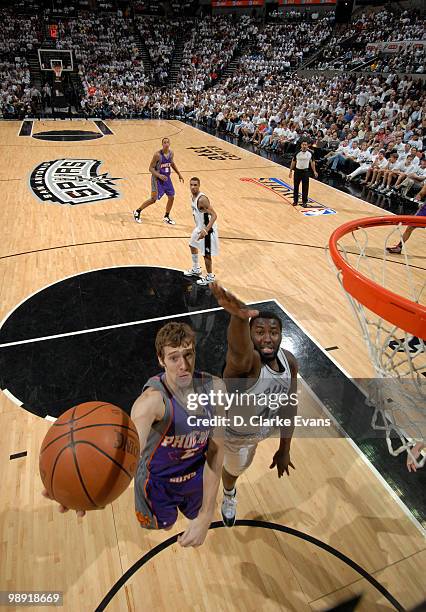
<point x="255" y="364"/>
<point x="161" y="181"/>
<point x="204" y="238"/>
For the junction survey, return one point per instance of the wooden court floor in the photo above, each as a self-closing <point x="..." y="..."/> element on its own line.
<point x="269" y="250"/>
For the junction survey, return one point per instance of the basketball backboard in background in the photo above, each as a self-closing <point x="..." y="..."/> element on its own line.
<point x="49" y="58"/>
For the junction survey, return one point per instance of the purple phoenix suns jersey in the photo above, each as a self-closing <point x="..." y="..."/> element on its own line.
<point x="175" y="450"/>
<point x="164" y="167"/>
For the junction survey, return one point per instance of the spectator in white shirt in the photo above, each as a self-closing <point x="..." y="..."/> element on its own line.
<point x="403" y="167"/>
<point x="379" y="164"/>
<point x="415" y="178"/>
<point x="365" y="160"/>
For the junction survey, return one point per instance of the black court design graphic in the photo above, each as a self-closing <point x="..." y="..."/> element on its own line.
<point x="214" y="153"/>
<point x="67" y="135"/>
<point x="72" y="181"/>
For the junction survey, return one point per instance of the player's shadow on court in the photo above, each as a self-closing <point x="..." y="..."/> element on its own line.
<point x="294" y="552"/>
<point x="248" y="580"/>
<point x="364" y="522"/>
<point x="304" y="558"/>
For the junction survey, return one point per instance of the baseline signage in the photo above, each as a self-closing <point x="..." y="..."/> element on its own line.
<point x="285" y="191"/>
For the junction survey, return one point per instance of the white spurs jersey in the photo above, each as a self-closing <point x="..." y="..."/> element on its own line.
<point x="267" y="390"/>
<point x="201" y="218"/>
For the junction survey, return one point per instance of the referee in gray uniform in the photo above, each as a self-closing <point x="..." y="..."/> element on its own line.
<point x="300" y="164"/>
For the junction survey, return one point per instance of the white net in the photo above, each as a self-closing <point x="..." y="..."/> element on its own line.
<point x="398" y="394"/>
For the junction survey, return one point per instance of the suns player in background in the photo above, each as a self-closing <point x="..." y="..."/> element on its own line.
<point x="255" y="364"/>
<point x="180" y="463"/>
<point x="205" y="237"/>
<point x="161" y="181"/>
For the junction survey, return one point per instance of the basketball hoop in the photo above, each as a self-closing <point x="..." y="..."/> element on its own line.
<point x="58" y="72"/>
<point x="392" y="319"/>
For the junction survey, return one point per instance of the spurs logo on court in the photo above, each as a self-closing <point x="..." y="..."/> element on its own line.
<point x="72" y="181"/>
<point x="213" y="152"/>
<point x="285" y="191"/>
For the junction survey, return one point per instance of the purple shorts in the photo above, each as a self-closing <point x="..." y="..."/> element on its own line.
<point x="422" y="211"/>
<point x="162" y="187"/>
<point x="159" y="505"/>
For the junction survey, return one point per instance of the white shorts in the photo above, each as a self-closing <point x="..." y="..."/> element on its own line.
<point x="208" y="245"/>
<point x="239" y="454"/>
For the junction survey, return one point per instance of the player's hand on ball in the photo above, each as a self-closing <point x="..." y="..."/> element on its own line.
<point x="231" y="303"/>
<point x="162" y="177"/>
<point x="61" y="508"/>
<point x="282" y="461"/>
<point x="196" y="532"/>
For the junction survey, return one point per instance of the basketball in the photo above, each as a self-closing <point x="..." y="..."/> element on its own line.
<point x="89" y="456"/>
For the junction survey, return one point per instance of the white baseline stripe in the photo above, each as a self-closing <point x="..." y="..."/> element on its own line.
<point x="106" y="327"/>
<point x="12" y="398"/>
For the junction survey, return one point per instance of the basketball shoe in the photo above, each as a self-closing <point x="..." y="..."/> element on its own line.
<point x="137" y="216"/>
<point x="229" y="507"/>
<point x="395" y="249"/>
<point x="193" y="272"/>
<point x="169" y="220"/>
<point x="206" y="280"/>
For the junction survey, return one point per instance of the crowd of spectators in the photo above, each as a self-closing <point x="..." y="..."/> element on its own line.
<point x="18" y="37"/>
<point x="348" y="121"/>
<point x="278" y="48"/>
<point x="347" y="48"/>
<point x="210" y="46"/>
<point x="115" y="84"/>
<point x="160" y="37"/>
<point x="111" y="71"/>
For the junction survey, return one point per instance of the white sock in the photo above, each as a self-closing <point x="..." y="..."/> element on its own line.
<point x="195" y="264"/>
<point x="230" y="492"/>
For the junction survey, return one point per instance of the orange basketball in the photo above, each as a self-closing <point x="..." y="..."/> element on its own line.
<point x="89" y="456"/>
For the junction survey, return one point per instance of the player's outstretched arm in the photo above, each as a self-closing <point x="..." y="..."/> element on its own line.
<point x="197" y="529"/>
<point x="241" y="358"/>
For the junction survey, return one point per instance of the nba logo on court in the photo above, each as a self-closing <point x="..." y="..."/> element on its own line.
<point x="72" y="181"/>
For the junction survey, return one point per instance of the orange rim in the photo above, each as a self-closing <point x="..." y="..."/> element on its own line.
<point x="391" y="307"/>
